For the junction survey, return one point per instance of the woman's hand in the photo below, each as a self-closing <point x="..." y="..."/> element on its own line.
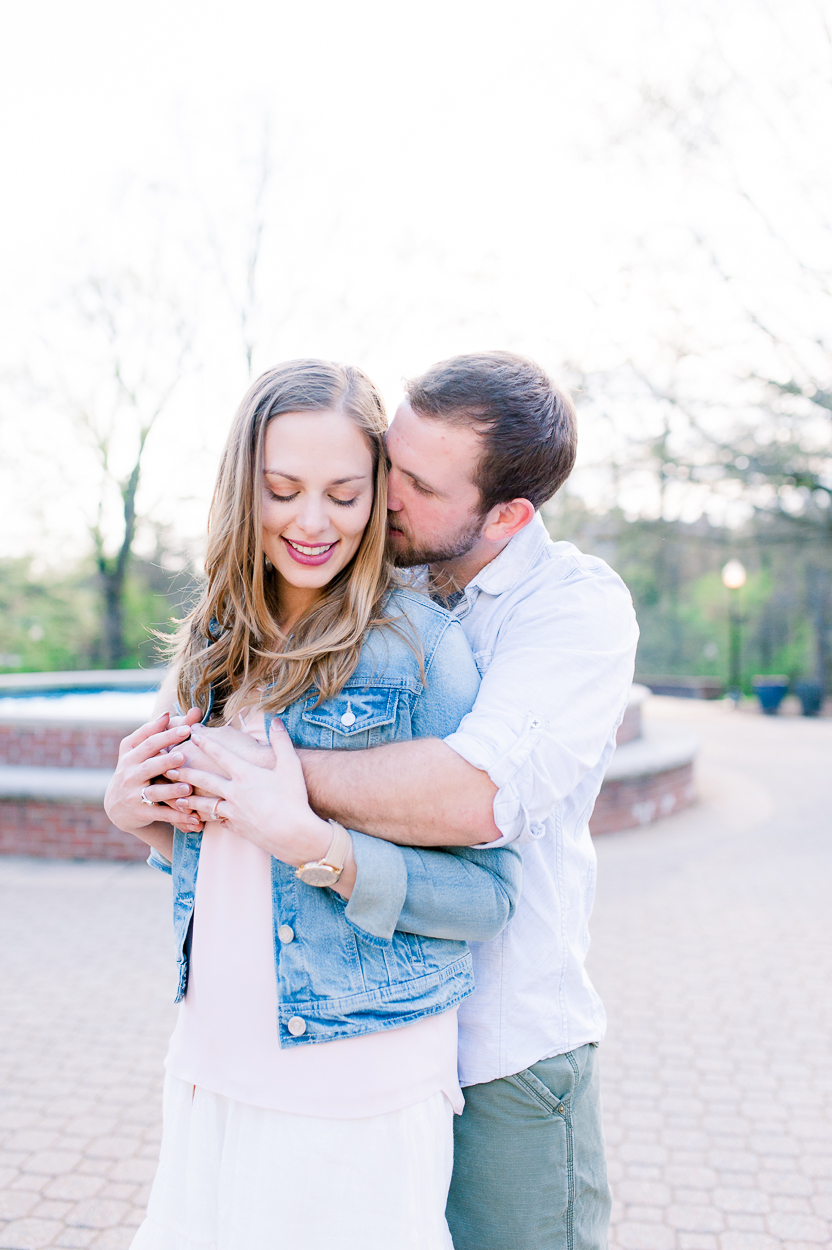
<point x="138" y="764"/>
<point x="268" y="806"/>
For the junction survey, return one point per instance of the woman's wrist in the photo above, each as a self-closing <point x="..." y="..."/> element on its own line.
<point x="313" y="842"/>
<point x="310" y="842"/>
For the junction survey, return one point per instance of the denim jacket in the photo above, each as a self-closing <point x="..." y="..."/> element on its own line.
<point x="396" y="950"/>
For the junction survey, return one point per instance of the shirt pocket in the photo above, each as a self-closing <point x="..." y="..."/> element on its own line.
<point x="356" y="718"/>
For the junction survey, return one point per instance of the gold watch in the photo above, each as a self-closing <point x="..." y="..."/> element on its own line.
<point x="326" y="871"/>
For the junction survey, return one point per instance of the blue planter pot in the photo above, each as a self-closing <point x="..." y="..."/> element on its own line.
<point x="770" y="691"/>
<point x="810" y="694"/>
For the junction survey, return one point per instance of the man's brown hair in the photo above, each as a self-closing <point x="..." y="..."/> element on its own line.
<point x="527" y="425"/>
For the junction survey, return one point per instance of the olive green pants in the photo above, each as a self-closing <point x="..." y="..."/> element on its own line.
<point x="529" y="1166"/>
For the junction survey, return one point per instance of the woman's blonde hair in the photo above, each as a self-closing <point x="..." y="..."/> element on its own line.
<point x="229" y="646"/>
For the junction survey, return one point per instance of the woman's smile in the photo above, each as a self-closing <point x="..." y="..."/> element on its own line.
<point x="306" y="553"/>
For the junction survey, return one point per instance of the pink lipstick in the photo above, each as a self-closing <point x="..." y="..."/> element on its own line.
<point x="309" y="553"/>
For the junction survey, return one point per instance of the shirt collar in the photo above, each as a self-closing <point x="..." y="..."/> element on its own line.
<point x="514" y="561"/>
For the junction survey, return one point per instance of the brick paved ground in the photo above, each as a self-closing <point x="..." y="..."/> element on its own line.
<point x="84" y="1017"/>
<point x="711" y="948"/>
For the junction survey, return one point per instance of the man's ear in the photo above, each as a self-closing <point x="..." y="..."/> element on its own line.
<point x="507" y="519"/>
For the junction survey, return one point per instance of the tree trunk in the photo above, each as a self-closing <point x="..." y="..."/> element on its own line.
<point x="113" y="573"/>
<point x="112" y="581"/>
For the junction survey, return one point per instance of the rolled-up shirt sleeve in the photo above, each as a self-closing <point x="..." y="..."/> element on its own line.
<point x="553" y="690"/>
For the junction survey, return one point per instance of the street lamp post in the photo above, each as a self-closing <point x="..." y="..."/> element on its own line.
<point x="733" y="579"/>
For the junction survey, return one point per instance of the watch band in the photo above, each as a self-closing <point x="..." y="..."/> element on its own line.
<point x="326" y="871"/>
<point x="338" y="847"/>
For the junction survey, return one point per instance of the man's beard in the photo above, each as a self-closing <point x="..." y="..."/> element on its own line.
<point x="457" y="545"/>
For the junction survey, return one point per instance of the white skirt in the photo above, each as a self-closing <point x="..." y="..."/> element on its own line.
<point x="236" y="1177"/>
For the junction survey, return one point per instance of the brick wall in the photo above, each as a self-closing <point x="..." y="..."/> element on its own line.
<point x="45" y="745"/>
<point x="63" y="829"/>
<point x="634" y="801"/>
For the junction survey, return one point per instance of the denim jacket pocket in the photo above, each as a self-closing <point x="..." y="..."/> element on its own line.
<point x="357" y="717"/>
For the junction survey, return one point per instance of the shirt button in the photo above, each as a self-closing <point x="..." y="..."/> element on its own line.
<point x="296" y="1026"/>
<point x="348" y="718"/>
<point x="535" y="724"/>
<point x="286" y="933"/>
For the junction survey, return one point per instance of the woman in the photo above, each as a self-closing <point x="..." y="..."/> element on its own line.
<point x="311" y="1078"/>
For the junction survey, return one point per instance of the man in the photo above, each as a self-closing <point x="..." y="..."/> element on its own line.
<point x="478" y="445"/>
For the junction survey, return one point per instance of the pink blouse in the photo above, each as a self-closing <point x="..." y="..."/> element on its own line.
<point x="226" y="1038"/>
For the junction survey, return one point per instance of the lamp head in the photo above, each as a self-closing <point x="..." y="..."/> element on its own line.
<point x="734" y="575"/>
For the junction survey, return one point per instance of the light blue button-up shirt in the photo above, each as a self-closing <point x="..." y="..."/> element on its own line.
<point x="554" y="637"/>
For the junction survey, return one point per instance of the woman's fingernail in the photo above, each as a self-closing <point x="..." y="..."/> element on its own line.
<point x="183" y="731"/>
<point x="177" y="757"/>
<point x="184" y="789"/>
<point x="173" y="774"/>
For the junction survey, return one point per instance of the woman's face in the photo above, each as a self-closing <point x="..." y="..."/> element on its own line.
<point x="317" y="495"/>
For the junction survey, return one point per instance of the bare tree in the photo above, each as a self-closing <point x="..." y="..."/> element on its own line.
<point x="141" y="343"/>
<point x="756" y="434"/>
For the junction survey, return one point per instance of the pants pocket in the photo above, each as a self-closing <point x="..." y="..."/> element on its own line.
<point x="529" y="1167"/>
<point x="535" y="1088"/>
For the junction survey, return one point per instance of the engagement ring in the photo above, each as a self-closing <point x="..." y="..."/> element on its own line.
<point x="214" y="815"/>
<point x="148" y="802"/>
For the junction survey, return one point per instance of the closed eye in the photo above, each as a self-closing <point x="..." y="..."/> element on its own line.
<point x="342" y="503"/>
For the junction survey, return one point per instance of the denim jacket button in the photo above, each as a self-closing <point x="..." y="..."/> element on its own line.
<point x="286" y="933"/>
<point x="296" y="1026"/>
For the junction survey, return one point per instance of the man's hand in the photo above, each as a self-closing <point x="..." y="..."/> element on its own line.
<point x="241" y="744"/>
<point x="268" y="806"/>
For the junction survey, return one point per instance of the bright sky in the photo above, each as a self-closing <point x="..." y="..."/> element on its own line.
<point x="447" y="176"/>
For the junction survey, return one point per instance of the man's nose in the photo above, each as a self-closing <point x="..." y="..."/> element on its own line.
<point x="394" y="503"/>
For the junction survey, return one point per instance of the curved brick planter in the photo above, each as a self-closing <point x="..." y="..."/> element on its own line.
<point x="56" y="812"/>
<point x="647" y="778"/>
<point x="628" y="802"/>
<point x="53" y="774"/>
<point x="63" y="829"/>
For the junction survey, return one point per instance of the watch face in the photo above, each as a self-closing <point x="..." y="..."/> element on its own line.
<point x="317" y="874"/>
